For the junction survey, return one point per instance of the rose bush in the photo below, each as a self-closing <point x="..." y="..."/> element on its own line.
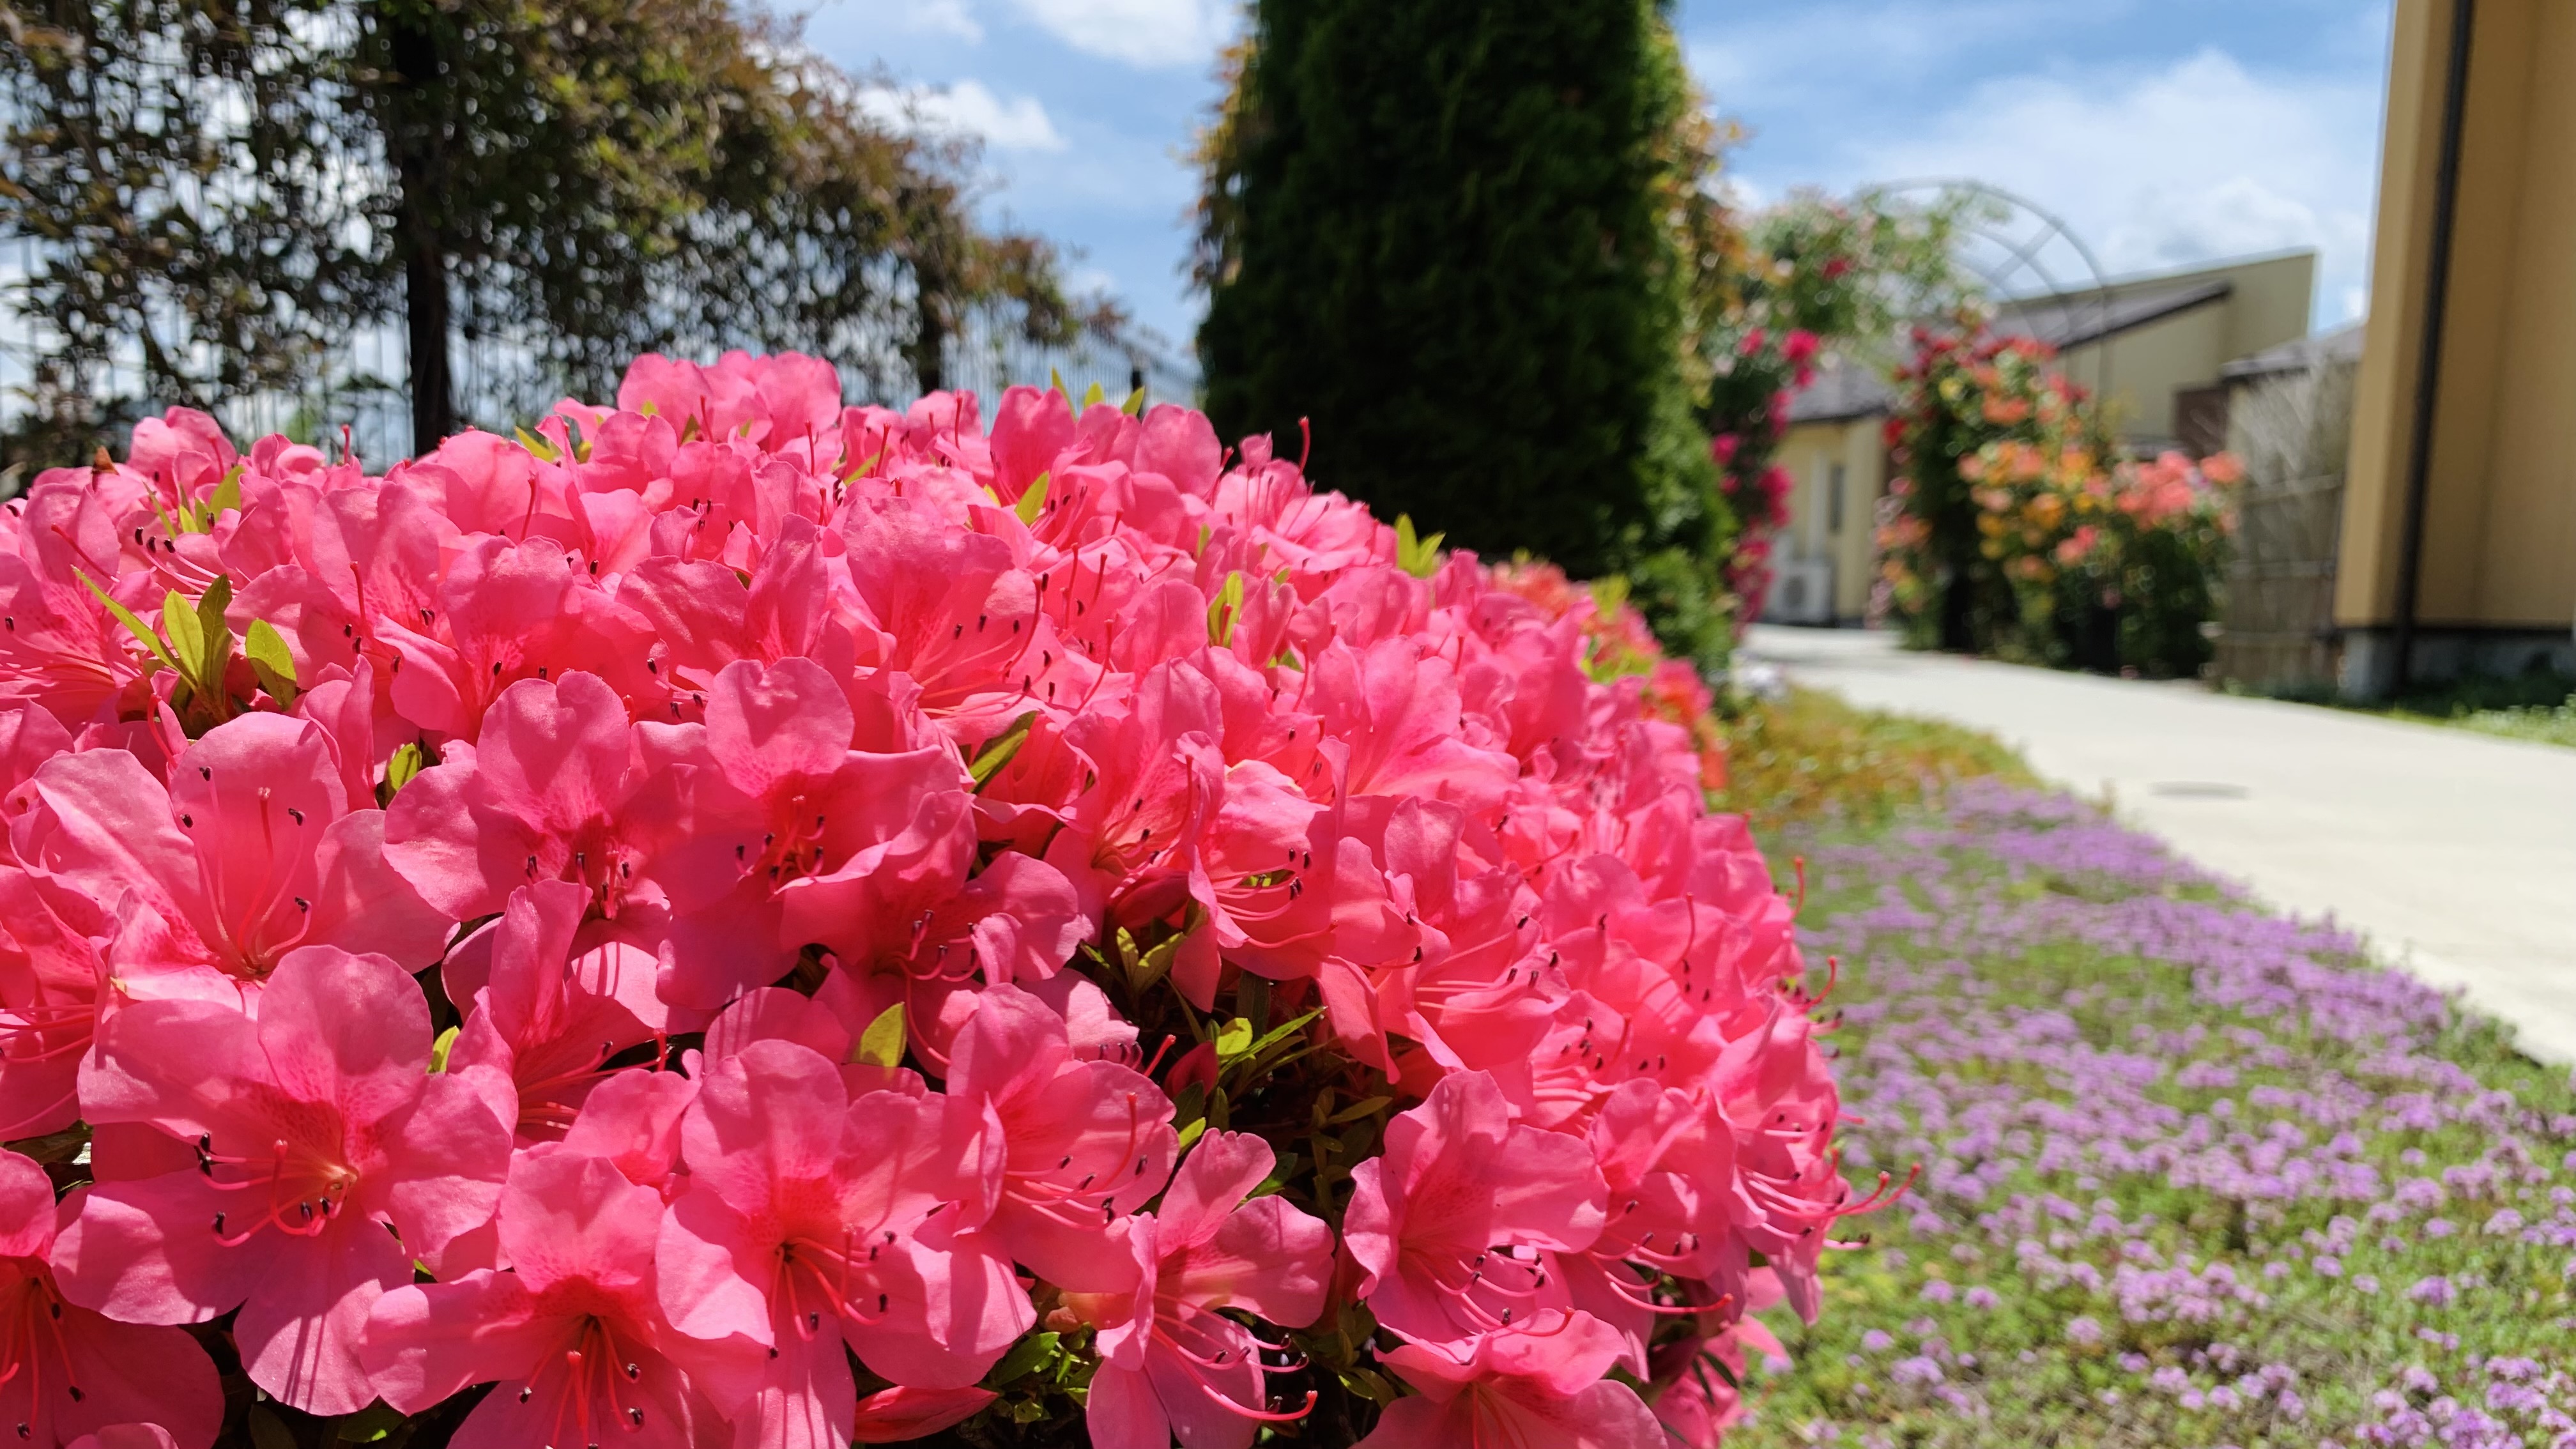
<point x="2016" y="530"/>
<point x="734" y="918"/>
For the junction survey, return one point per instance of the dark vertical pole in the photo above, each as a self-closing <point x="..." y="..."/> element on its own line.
<point x="416" y="139"/>
<point x="2428" y="362"/>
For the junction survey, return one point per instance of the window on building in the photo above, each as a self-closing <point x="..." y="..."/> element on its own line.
<point x="1834" y="481"/>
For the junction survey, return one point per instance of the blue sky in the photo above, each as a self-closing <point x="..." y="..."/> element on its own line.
<point x="2164" y="131"/>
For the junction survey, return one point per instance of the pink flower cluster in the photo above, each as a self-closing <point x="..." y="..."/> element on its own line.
<point x="719" y="889"/>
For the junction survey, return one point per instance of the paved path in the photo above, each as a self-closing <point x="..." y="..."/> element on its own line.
<point x="2455" y="853"/>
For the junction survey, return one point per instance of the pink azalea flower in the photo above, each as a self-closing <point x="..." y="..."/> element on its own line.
<point x="572" y="1337"/>
<point x="811" y="1220"/>
<point x="1085" y="1141"/>
<point x="250" y="852"/>
<point x="67" y="1372"/>
<point x="1452" y="1226"/>
<point x="544" y="1015"/>
<point x="316" y="1128"/>
<point x="557" y="787"/>
<point x="795" y="803"/>
<point x="59" y="646"/>
<point x="900" y="1414"/>
<point x="1537" y="1385"/>
<point x="127" y="1436"/>
<point x="1169" y="1359"/>
<point x="49" y="967"/>
<point x="633" y="1120"/>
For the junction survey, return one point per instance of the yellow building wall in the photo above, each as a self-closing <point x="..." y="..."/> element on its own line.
<point x="1809" y="451"/>
<point x="2499" y="547"/>
<point x="2269" y="302"/>
<point x="2145" y="364"/>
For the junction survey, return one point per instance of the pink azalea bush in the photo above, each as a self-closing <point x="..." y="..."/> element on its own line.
<point x="731" y="918"/>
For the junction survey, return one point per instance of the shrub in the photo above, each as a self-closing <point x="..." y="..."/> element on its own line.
<point x="2014" y="531"/>
<point x="733" y="914"/>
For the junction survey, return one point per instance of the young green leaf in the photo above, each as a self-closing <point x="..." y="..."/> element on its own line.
<point x="1224" y="610"/>
<point x="125" y="616"/>
<point x="439" y="1049"/>
<point x="1134" y="406"/>
<point x="187" y="636"/>
<point x="998" y="750"/>
<point x="537" y="445"/>
<point x="1033" y="500"/>
<point x="225" y="499"/>
<point x="217" y="632"/>
<point x="1234" y="1039"/>
<point x="1154" y="965"/>
<point x="881" y="1045"/>
<point x="1417" y="556"/>
<point x="1026" y="1357"/>
<point x="271" y="661"/>
<point x="399" y="770"/>
<point x="1093" y="394"/>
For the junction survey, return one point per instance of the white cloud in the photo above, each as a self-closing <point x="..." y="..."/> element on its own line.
<point x="2197" y="161"/>
<point x="1854" y="49"/>
<point x="1151" y="33"/>
<point x="967" y="108"/>
<point x="943" y="17"/>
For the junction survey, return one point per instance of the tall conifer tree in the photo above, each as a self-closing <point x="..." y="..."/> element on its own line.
<point x="1444" y="232"/>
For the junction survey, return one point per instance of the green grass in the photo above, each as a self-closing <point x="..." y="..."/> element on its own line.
<point x="1809" y="757"/>
<point x="2539" y="706"/>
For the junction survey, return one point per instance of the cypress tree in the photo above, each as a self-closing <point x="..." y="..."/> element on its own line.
<point x="1445" y="231"/>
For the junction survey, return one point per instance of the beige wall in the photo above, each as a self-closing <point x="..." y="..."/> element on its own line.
<point x="2499" y="545"/>
<point x="2269" y="303"/>
<point x="1809" y="452"/>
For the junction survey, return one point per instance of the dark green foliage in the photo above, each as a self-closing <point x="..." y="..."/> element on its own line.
<point x="1443" y="232"/>
<point x="225" y="194"/>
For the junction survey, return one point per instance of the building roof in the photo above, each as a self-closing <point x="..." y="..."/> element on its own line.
<point x="2070" y="320"/>
<point x="2066" y="321"/>
<point x="1842" y="391"/>
<point x="2335" y="344"/>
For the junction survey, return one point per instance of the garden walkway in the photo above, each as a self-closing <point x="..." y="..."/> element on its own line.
<point x="2455" y="853"/>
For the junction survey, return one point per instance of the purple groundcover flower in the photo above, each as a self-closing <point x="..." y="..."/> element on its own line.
<point x="2148" y="1116"/>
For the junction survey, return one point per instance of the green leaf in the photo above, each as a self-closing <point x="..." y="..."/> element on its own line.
<point x="1055" y="380"/>
<point x="1192" y="1133"/>
<point x="1368" y="1385"/>
<point x="370" y="1424"/>
<point x="997" y="751"/>
<point x="1225" y="609"/>
<point x="271" y="660"/>
<point x="1032" y="500"/>
<point x="187" y="636"/>
<point x="1282" y="1032"/>
<point x="225" y="498"/>
<point x="439" y="1049"/>
<point x="1154" y="965"/>
<point x="406" y="763"/>
<point x="1234" y="1039"/>
<point x="1134" y="406"/>
<point x="538" y="446"/>
<point x="267" y="1431"/>
<point x="126" y="617"/>
<point x="881" y="1045"/>
<point x="1093" y="394"/>
<point x="1026" y="1357"/>
<point x="217" y="633"/>
<point x="1419" y="557"/>
<point x="1357" y="1110"/>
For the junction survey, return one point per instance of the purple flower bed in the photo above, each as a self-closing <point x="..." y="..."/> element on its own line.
<point x="2191" y="1173"/>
